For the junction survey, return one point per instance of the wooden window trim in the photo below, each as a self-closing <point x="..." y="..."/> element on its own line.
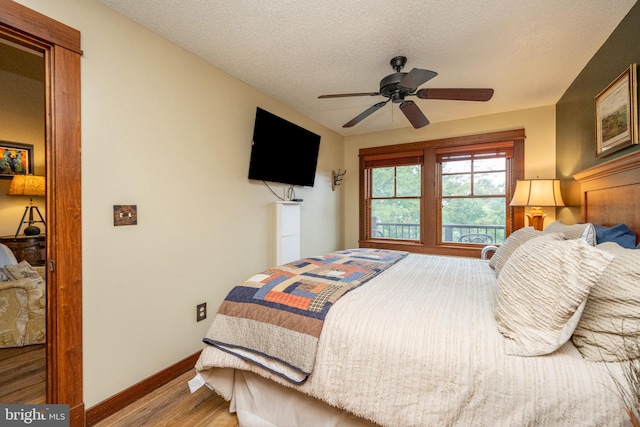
<point x="369" y="197"/>
<point x="429" y="213"/>
<point x="505" y="150"/>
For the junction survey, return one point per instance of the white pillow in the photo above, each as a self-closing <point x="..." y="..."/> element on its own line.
<point x="541" y="291"/>
<point x="609" y="329"/>
<point x="585" y="231"/>
<point x="6" y="256"/>
<point x="506" y="249"/>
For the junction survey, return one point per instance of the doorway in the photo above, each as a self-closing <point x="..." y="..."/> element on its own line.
<point x="22" y="126"/>
<point x="60" y="46"/>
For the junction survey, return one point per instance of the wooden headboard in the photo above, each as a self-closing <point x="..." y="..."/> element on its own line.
<point x="611" y="192"/>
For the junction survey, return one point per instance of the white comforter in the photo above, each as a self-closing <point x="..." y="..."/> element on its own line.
<point x="418" y="346"/>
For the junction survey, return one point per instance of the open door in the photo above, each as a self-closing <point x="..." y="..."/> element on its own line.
<point x="60" y="45"/>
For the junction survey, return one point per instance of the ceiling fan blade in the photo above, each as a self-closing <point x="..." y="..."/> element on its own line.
<point x="456" y="94"/>
<point x="343" y="95"/>
<point x="366" y="113"/>
<point x="415" y="78"/>
<point x="413" y="113"/>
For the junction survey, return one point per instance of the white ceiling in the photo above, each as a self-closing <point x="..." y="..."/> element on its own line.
<point x="529" y="51"/>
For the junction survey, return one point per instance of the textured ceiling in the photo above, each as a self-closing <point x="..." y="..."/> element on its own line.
<point x="295" y="50"/>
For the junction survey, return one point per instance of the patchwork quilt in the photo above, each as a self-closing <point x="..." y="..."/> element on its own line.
<point x="275" y="318"/>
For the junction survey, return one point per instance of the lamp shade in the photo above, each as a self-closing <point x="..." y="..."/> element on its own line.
<point x="26" y="185"/>
<point x="537" y="192"/>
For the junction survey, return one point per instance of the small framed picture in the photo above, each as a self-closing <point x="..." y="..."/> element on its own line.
<point x="617" y="114"/>
<point x="15" y="159"/>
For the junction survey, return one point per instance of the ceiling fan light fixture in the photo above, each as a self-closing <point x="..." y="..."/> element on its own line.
<point x="397" y="97"/>
<point x="396" y="86"/>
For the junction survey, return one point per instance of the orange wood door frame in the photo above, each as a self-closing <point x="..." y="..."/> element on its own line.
<point x="61" y="47"/>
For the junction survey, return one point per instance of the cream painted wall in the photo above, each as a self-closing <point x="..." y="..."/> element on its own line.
<point x="540" y="130"/>
<point x="168" y="132"/>
<point x="22" y="121"/>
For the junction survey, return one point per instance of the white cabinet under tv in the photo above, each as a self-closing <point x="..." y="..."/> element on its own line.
<point x="287" y="232"/>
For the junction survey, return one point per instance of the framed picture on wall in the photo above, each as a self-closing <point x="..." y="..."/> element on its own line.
<point x="617" y="114"/>
<point x="15" y="159"/>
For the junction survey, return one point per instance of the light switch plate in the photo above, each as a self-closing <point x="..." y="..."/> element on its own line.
<point x="125" y="215"/>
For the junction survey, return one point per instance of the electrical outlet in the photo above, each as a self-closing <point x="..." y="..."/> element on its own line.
<point x="201" y="311"/>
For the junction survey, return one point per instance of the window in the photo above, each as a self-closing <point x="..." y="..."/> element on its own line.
<point x="445" y="196"/>
<point x="395" y="202"/>
<point x="473" y="194"/>
<point x="393" y="196"/>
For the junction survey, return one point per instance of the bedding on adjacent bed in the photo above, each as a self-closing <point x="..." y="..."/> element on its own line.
<point x="419" y="345"/>
<point x="22" y="304"/>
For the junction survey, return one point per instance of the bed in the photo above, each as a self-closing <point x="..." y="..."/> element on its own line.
<point x="432" y="340"/>
<point x="22" y="302"/>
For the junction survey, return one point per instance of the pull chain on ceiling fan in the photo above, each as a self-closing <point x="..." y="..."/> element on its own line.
<point x="395" y="87"/>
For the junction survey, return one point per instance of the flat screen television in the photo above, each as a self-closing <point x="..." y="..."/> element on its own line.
<point x="282" y="151"/>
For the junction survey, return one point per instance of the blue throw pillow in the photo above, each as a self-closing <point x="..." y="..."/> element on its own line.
<point x="620" y="234"/>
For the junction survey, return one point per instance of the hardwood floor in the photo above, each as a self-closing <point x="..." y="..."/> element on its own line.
<point x="23" y="374"/>
<point x="174" y="405"/>
<point x="23" y="380"/>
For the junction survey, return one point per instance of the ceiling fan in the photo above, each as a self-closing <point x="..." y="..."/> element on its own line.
<point x="399" y="85"/>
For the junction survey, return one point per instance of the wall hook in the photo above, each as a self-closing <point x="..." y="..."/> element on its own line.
<point x="336" y="178"/>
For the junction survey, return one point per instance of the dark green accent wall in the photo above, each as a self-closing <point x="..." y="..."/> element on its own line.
<point x="575" y="113"/>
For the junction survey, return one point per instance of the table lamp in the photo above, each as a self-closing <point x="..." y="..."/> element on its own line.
<point x="28" y="185"/>
<point x="537" y="193"/>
